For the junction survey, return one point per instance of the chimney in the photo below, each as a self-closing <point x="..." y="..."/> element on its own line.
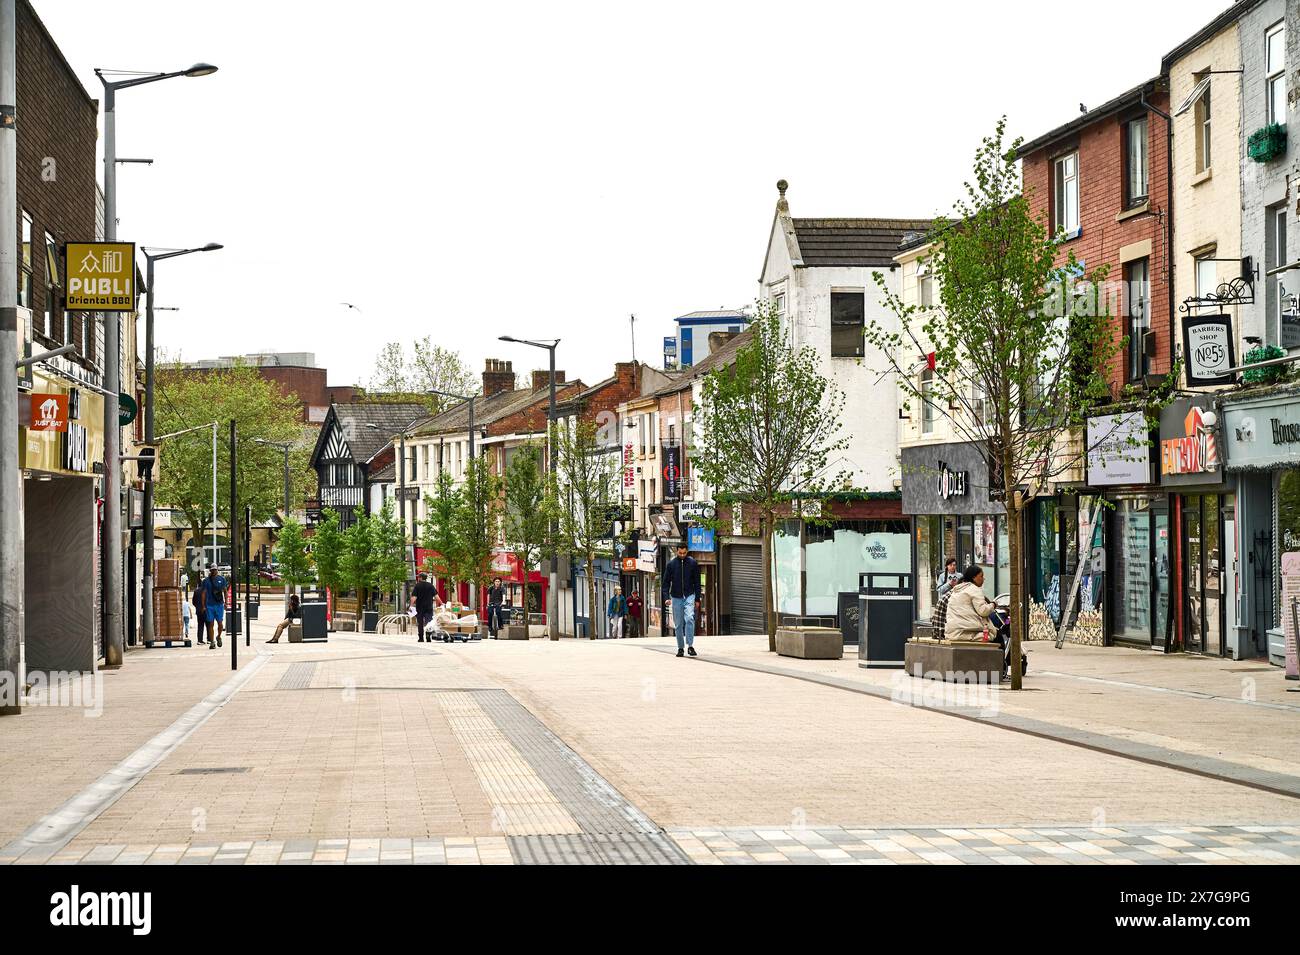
<point x="498" y="376"/>
<point x="542" y="378"/>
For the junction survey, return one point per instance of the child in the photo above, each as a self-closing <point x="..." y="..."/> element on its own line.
<point x="185" y="618"/>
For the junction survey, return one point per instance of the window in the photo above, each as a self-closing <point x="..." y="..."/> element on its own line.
<point x="1202" y="116"/>
<point x="978" y="402"/>
<point x="1135" y="161"/>
<point x="1137" y="288"/>
<point x="927" y="402"/>
<point x="847" y="317"/>
<point x="779" y="301"/>
<point x="1065" y="179"/>
<point x="52" y="284"/>
<point x="25" y="265"/>
<point x="1282" y="298"/>
<point x="1207" y="275"/>
<point x="924" y="285"/>
<point x="1275" y="74"/>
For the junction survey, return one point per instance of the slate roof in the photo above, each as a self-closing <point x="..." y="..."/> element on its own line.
<point x="487" y="410"/>
<point x="1109" y="108"/>
<point x="720" y="313"/>
<point x="718" y="359"/>
<point x="853" y="242"/>
<point x="388" y="417"/>
<point x="385" y="475"/>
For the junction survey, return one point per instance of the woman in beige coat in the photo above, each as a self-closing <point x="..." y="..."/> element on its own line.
<point x="968" y="608"/>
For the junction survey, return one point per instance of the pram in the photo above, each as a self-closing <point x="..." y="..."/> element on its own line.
<point x="1000" y="633"/>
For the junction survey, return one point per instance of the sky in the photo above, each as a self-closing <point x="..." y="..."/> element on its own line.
<point x="469" y="170"/>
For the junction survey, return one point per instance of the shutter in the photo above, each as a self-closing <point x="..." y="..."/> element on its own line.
<point x="745" y="585"/>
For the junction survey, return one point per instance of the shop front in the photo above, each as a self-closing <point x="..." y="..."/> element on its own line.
<point x="1261" y="436"/>
<point x="946" y="494"/>
<point x="521" y="592"/>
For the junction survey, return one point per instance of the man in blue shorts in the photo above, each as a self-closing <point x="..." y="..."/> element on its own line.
<point x="214" y="606"/>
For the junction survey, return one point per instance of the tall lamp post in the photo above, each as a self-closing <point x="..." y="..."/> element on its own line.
<point x="113" y="642"/>
<point x="553" y="594"/>
<point x="283" y="446"/>
<point x="156" y="255"/>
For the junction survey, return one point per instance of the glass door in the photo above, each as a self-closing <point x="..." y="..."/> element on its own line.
<point x="1204" y="602"/>
<point x="1132" y="579"/>
<point x="1163" y="564"/>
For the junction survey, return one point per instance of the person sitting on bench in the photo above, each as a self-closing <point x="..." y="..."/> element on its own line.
<point x="289" y="618"/>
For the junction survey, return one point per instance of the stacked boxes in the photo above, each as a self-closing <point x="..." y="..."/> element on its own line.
<point x="167" y="599"/>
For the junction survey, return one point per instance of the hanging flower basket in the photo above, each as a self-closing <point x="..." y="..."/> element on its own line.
<point x="1267" y="374"/>
<point x="1267" y="143"/>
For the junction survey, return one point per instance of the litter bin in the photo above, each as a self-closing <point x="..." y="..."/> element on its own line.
<point x="370" y="620"/>
<point x="885" y="618"/>
<point x="314" y="624"/>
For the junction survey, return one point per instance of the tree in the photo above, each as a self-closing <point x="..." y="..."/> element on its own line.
<point x="328" y="547"/>
<point x="1019" y="342"/>
<point x="389" y="545"/>
<point x="770" y="424"/>
<point x="358" y="560"/>
<point x="528" y="507"/>
<point x="291" y="554"/>
<point x="438" y="533"/>
<point x="428" y="368"/>
<point x="186" y="398"/>
<point x="474" y="524"/>
<point x="586" y="477"/>
<point x="391" y="373"/>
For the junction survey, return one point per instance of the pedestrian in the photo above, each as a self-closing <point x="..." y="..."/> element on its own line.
<point x="681" y="596"/>
<point x="423" y="597"/>
<point x="185" y="615"/>
<point x="617" y="610"/>
<point x="968" y="608"/>
<point x="290" y="615"/>
<point x="214" y="606"/>
<point x="948" y="577"/>
<point x="634" y="613"/>
<point x="496" y="594"/>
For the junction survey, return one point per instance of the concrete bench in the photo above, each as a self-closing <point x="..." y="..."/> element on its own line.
<point x="810" y="643"/>
<point x="345" y="621"/>
<point x="513" y="631"/>
<point x="295" y="633"/>
<point x="953" y="661"/>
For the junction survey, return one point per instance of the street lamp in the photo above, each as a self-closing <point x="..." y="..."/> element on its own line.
<point x="283" y="446"/>
<point x="112" y="372"/>
<point x="553" y="596"/>
<point x="146" y="587"/>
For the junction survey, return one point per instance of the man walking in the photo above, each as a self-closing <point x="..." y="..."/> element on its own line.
<point x="681" y="594"/>
<point x="496" y="594"/>
<point x="423" y="595"/>
<point x="214" y="606"/>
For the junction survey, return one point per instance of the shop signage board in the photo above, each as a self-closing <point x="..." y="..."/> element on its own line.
<point x="1262" y="434"/>
<point x="48" y="412"/>
<point x="629" y="466"/>
<point x="629" y="565"/>
<point x="952" y="483"/>
<point x="1207" y="345"/>
<point x="948" y="478"/>
<point x="100" y="276"/>
<point x="647" y="551"/>
<point x="1119" y="450"/>
<point x="695" y="511"/>
<point x="700" y="539"/>
<point x="672" y="472"/>
<point x="1189" y="448"/>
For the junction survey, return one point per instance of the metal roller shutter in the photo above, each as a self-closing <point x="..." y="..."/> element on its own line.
<point x="745" y="585"/>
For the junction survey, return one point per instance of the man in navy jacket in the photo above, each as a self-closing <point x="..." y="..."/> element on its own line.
<point x="681" y="591"/>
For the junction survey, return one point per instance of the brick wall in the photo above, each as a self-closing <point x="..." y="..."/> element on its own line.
<point x="57" y="130"/>
<point x="1101" y="204"/>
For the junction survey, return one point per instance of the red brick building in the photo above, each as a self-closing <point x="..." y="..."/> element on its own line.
<point x="296" y="374"/>
<point x="1103" y="179"/>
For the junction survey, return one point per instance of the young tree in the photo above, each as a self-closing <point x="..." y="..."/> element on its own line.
<point x="389" y="545"/>
<point x="427" y="368"/>
<point x="1020" y="342"/>
<point x="770" y="425"/>
<point x="358" y="560"/>
<point x="528" y="507"/>
<point x="438" y="533"/>
<point x="391" y="374"/>
<point x="474" y="524"/>
<point x="185" y="399"/>
<point x="328" y="547"/>
<point x="291" y="554"/>
<point x="586" y="484"/>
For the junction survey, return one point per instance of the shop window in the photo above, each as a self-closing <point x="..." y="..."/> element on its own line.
<point x="789" y="569"/>
<point x="929" y="562"/>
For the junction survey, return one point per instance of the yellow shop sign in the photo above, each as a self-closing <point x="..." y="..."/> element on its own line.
<point x="101" y="276"/>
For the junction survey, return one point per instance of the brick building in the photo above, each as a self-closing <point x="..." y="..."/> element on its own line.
<point x="1103" y="180"/>
<point x="296" y="374"/>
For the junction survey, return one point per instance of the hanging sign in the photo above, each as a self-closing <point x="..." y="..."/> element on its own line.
<point x="100" y="276"/>
<point x="1207" y="345"/>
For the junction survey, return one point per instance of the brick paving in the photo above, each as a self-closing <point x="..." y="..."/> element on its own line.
<point x="377" y="750"/>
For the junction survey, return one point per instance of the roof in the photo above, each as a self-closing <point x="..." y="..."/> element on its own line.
<point x="388" y="419"/>
<point x="1235" y="12"/>
<point x="717" y="314"/>
<point x="853" y="242"/>
<point x="385" y="475"/>
<point x="1123" y="101"/>
<point x="717" y="359"/>
<point x="491" y="409"/>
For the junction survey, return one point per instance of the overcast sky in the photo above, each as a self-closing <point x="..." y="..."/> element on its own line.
<point x="546" y="169"/>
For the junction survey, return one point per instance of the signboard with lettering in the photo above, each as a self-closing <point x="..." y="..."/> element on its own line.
<point x="952" y="483"/>
<point x="1207" y="347"/>
<point x="629" y="466"/>
<point x="672" y="472"/>
<point x="700" y="539"/>
<point x="647" y="551"/>
<point x="1189" y="448"/>
<point x="100" y="276"/>
<point x="49" y="412"/>
<point x="1262" y="434"/>
<point x="695" y="511"/>
<point x="1119" y="450"/>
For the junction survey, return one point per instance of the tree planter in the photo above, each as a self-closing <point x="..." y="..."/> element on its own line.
<point x="513" y="631"/>
<point x="1267" y="143"/>
<point x="810" y="643"/>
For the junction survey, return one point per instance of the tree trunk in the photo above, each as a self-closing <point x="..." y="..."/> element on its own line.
<point x="1015" y="520"/>
<point x="769" y="612"/>
<point x="591" y="598"/>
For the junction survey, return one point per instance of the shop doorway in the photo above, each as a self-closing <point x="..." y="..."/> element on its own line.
<point x="1140" y="579"/>
<point x="1203" y="535"/>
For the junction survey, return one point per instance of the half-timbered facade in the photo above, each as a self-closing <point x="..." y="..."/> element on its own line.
<point x="345" y="452"/>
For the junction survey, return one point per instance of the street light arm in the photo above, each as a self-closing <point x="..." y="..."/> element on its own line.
<point x="177" y="434"/>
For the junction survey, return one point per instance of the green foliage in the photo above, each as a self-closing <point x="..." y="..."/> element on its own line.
<point x="438" y="533"/>
<point x="1267" y="143"/>
<point x="528" y="505"/>
<point x="475" y="522"/>
<point x="291" y="554"/>
<point x="359" y="561"/>
<point x="389" y="549"/>
<point x="586" y="482"/>
<point x="428" y="367"/>
<point x="186" y="398"/>
<point x="1267" y="374"/>
<point x="328" y="547"/>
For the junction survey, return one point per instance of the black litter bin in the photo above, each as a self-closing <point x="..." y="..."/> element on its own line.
<point x="370" y="620"/>
<point x="314" y="624"/>
<point x="885" y="618"/>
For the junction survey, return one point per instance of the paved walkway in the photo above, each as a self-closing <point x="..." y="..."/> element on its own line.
<point x="377" y="749"/>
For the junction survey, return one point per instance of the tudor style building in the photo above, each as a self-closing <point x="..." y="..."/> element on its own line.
<point x="347" y="456"/>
